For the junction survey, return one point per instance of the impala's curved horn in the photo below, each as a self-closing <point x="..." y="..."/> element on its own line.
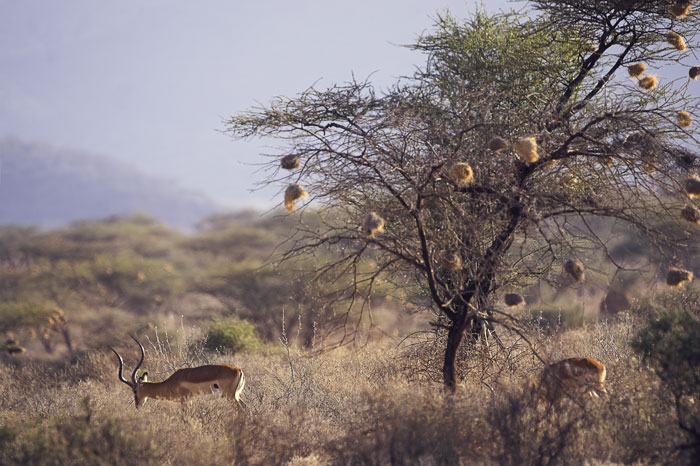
<point x="143" y="355"/>
<point x="121" y="366"/>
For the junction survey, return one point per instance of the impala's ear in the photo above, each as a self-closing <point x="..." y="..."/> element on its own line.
<point x="143" y="378"/>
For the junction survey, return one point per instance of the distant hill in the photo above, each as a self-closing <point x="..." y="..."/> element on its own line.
<point x="46" y="186"/>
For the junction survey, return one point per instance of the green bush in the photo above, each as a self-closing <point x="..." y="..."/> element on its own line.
<point x="233" y="335"/>
<point x="551" y="318"/>
<point x="670" y="343"/>
<point x="14" y="315"/>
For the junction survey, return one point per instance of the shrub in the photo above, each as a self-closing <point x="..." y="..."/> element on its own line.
<point x="550" y="318"/>
<point x="233" y="335"/>
<point x="23" y="314"/>
<point x="670" y="343"/>
<point x="82" y="439"/>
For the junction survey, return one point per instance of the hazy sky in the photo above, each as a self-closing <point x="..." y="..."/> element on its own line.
<point x="150" y="81"/>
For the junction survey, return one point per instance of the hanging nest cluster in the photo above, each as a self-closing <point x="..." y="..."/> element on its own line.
<point x="462" y="173"/>
<point x="575" y="269"/>
<point x="293" y="193"/>
<point x="526" y="148"/>
<point x="694" y="72"/>
<point x="513" y="299"/>
<point x="636" y="70"/>
<point x="681" y="8"/>
<point x="452" y="262"/>
<point x="684" y="119"/>
<point x="692" y="186"/>
<point x="675" y="278"/>
<point x="497" y="144"/>
<point x="691" y="214"/>
<point x="676" y="40"/>
<point x="373" y="224"/>
<point x="290" y="162"/>
<point x="649" y="82"/>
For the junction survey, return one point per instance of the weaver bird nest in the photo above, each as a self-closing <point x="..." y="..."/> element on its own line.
<point x="373" y="224"/>
<point x="293" y="193"/>
<point x="575" y="269"/>
<point x="675" y="278"/>
<point x="526" y="148"/>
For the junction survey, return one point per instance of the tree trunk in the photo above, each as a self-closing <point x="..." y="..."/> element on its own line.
<point x="454" y="339"/>
<point x="67" y="340"/>
<point x="455" y="335"/>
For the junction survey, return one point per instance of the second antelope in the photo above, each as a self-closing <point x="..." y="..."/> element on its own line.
<point x="184" y="383"/>
<point x="572" y="377"/>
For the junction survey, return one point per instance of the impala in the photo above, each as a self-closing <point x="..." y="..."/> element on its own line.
<point x="184" y="383"/>
<point x="572" y="377"/>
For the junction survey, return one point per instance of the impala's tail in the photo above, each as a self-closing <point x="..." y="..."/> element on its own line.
<point x="239" y="389"/>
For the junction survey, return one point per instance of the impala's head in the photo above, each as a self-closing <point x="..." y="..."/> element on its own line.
<point x="136" y="384"/>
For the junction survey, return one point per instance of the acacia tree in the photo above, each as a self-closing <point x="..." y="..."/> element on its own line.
<point x="466" y="214"/>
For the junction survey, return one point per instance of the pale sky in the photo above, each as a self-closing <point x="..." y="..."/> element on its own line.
<point x="149" y="82"/>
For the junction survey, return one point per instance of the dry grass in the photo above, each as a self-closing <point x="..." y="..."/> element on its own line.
<point x="351" y="406"/>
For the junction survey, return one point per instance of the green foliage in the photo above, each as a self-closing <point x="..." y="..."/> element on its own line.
<point x="670" y="343"/>
<point x="120" y="274"/>
<point x="15" y="315"/>
<point x="236" y="241"/>
<point x="7" y="436"/>
<point x="141" y="281"/>
<point x="232" y="335"/>
<point x="553" y="318"/>
<point x="504" y="56"/>
<point x="671" y="340"/>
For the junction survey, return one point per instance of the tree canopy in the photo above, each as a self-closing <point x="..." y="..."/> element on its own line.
<point x="488" y="167"/>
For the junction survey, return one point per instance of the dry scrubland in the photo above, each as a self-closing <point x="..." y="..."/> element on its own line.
<point x="422" y="209"/>
<point x="378" y="403"/>
<point x="366" y="405"/>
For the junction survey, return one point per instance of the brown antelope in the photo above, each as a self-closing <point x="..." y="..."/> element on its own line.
<point x="185" y="383"/>
<point x="572" y="377"/>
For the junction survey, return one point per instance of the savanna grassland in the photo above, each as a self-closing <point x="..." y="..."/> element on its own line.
<point x="208" y="298"/>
